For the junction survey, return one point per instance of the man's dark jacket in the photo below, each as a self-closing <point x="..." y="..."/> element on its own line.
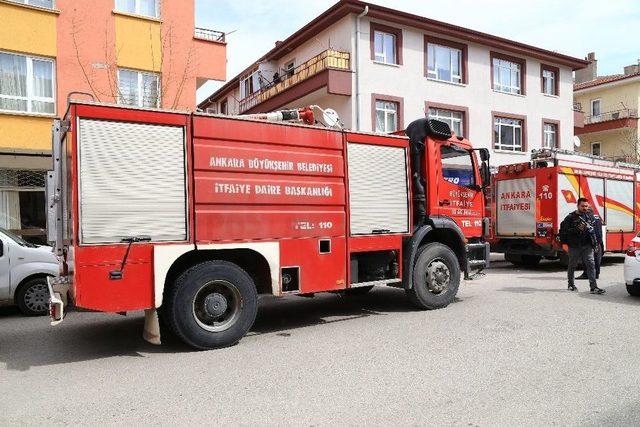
<point x="572" y="234"/>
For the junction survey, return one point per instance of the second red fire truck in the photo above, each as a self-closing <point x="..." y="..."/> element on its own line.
<point x="193" y="216"/>
<point x="530" y="200"/>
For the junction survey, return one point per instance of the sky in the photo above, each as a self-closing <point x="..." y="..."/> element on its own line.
<point x="610" y="28"/>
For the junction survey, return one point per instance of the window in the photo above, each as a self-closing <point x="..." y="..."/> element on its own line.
<point x="47" y="4"/>
<point x="508" y="134"/>
<point x="289" y="68"/>
<point x="550" y="135"/>
<point x="249" y="84"/>
<point x="386" y="44"/>
<point x="457" y="166"/>
<point x="550" y="76"/>
<point x="508" y="74"/>
<point x="27" y="84"/>
<point x="455" y="119"/>
<point x="595" y="107"/>
<point x="444" y="63"/>
<point x="386" y="116"/>
<point x="138" y="89"/>
<point x="139" y="7"/>
<point x="224" y="107"/>
<point x="596" y="148"/>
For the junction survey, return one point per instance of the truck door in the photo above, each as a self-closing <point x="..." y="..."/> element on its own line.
<point x="459" y="193"/>
<point x="4" y="268"/>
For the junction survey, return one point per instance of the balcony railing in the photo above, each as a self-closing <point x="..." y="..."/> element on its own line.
<point x="207" y="34"/>
<point x="329" y="59"/>
<point x="577" y="106"/>
<point x="611" y="115"/>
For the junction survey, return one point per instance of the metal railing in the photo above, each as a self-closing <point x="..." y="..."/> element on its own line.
<point x="611" y="115"/>
<point x="329" y="59"/>
<point x="207" y="34"/>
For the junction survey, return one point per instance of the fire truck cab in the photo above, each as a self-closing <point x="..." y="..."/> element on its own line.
<point x="193" y="216"/>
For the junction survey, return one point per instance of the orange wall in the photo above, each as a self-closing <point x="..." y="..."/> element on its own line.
<point x="99" y="54"/>
<point x="95" y="40"/>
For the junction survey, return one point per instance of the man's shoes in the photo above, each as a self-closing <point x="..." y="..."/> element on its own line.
<point x="572" y="288"/>
<point x="597" y="291"/>
<point x="582" y="277"/>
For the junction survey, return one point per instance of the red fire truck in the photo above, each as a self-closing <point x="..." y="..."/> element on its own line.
<point x="530" y="200"/>
<point x="192" y="216"/>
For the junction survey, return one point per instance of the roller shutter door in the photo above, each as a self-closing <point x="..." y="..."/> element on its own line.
<point x="132" y="181"/>
<point x="378" y="194"/>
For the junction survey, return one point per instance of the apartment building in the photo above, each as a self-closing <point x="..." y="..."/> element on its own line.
<point x="610" y="105"/>
<point x="144" y="53"/>
<point x="381" y="68"/>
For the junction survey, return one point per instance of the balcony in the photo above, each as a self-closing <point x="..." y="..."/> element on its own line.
<point x="209" y="35"/>
<point x="312" y="72"/>
<point x="610" y="120"/>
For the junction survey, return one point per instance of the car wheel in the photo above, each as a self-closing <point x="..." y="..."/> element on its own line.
<point x="634" y="291"/>
<point x="32" y="297"/>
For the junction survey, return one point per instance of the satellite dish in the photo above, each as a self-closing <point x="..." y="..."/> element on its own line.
<point x="330" y="117"/>
<point x="576" y="141"/>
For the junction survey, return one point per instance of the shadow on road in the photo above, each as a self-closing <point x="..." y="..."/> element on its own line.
<point x="292" y="313"/>
<point x="32" y="342"/>
<point x="616" y="293"/>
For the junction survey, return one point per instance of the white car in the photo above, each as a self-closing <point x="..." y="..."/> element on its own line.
<point x="632" y="268"/>
<point x="24" y="268"/>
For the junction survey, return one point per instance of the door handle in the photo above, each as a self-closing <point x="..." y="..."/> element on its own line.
<point x="20" y="258"/>
<point x="445" y="202"/>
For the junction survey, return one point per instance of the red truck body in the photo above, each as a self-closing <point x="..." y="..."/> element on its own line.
<point x="146" y="195"/>
<point x="530" y="200"/>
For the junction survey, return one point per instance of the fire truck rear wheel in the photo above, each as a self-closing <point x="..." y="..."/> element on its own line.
<point x="436" y="277"/>
<point x="211" y="305"/>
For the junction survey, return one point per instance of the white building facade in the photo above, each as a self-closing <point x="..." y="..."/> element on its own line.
<point x="380" y="69"/>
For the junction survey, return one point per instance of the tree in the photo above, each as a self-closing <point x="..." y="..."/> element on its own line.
<point x="99" y="70"/>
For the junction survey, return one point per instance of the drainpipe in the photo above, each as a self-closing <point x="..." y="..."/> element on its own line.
<point x="357" y="51"/>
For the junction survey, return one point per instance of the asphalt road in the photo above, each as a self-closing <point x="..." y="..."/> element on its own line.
<point x="515" y="349"/>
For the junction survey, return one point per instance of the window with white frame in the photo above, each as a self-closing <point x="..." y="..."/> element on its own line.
<point x="444" y="63"/>
<point x="47" y="4"/>
<point x="138" y="88"/>
<point x="149" y="8"/>
<point x="289" y="69"/>
<point x="455" y="119"/>
<point x="27" y="84"/>
<point x="549" y="82"/>
<point x="550" y="139"/>
<point x="386" y="116"/>
<point x="385" y="47"/>
<point x="507" y="134"/>
<point x="249" y="84"/>
<point x="507" y="76"/>
<point x="596" y="148"/>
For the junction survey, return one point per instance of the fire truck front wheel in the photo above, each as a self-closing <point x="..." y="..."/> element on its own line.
<point x="211" y="305"/>
<point x="436" y="277"/>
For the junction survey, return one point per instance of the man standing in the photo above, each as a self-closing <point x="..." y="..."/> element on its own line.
<point x="599" y="250"/>
<point x="578" y="232"/>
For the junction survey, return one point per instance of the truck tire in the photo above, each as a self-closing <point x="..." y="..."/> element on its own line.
<point x="634" y="291"/>
<point x="211" y="305"/>
<point x="523" y="260"/>
<point x="32" y="297"/>
<point x="436" y="277"/>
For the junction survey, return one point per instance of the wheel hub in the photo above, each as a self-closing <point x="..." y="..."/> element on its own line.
<point x="37" y="298"/>
<point x="438" y="277"/>
<point x="215" y="305"/>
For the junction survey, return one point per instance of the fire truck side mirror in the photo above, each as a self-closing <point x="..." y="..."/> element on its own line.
<point x="485" y="174"/>
<point x="484" y="154"/>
